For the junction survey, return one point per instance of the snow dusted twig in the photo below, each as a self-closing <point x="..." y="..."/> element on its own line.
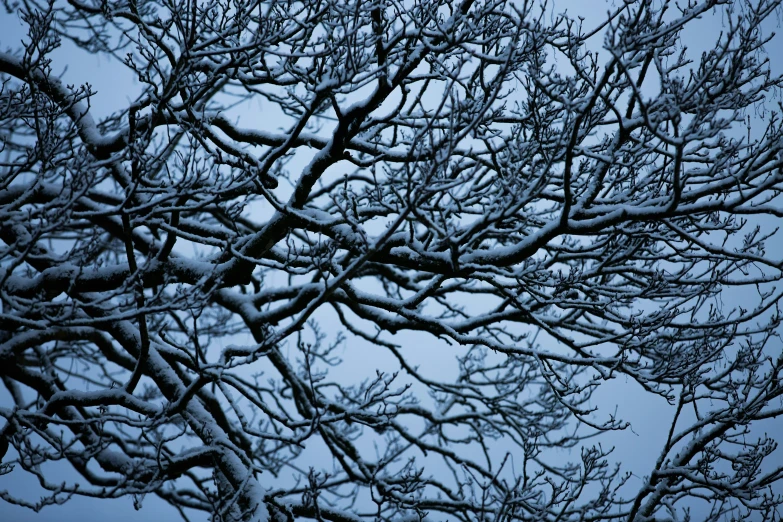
<point x="235" y="292"/>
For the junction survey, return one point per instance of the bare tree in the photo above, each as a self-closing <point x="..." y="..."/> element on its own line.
<point x="561" y="203"/>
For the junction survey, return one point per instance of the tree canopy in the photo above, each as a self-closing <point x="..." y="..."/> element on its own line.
<point x="219" y="293"/>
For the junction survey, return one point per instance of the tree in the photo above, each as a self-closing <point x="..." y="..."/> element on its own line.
<point x="562" y="202"/>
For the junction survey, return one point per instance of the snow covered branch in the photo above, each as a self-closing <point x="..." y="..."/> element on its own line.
<point x="354" y="260"/>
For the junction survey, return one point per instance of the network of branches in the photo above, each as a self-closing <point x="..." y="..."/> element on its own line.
<point x="223" y="293"/>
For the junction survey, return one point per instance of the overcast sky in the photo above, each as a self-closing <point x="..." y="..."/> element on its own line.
<point x="114" y="86"/>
